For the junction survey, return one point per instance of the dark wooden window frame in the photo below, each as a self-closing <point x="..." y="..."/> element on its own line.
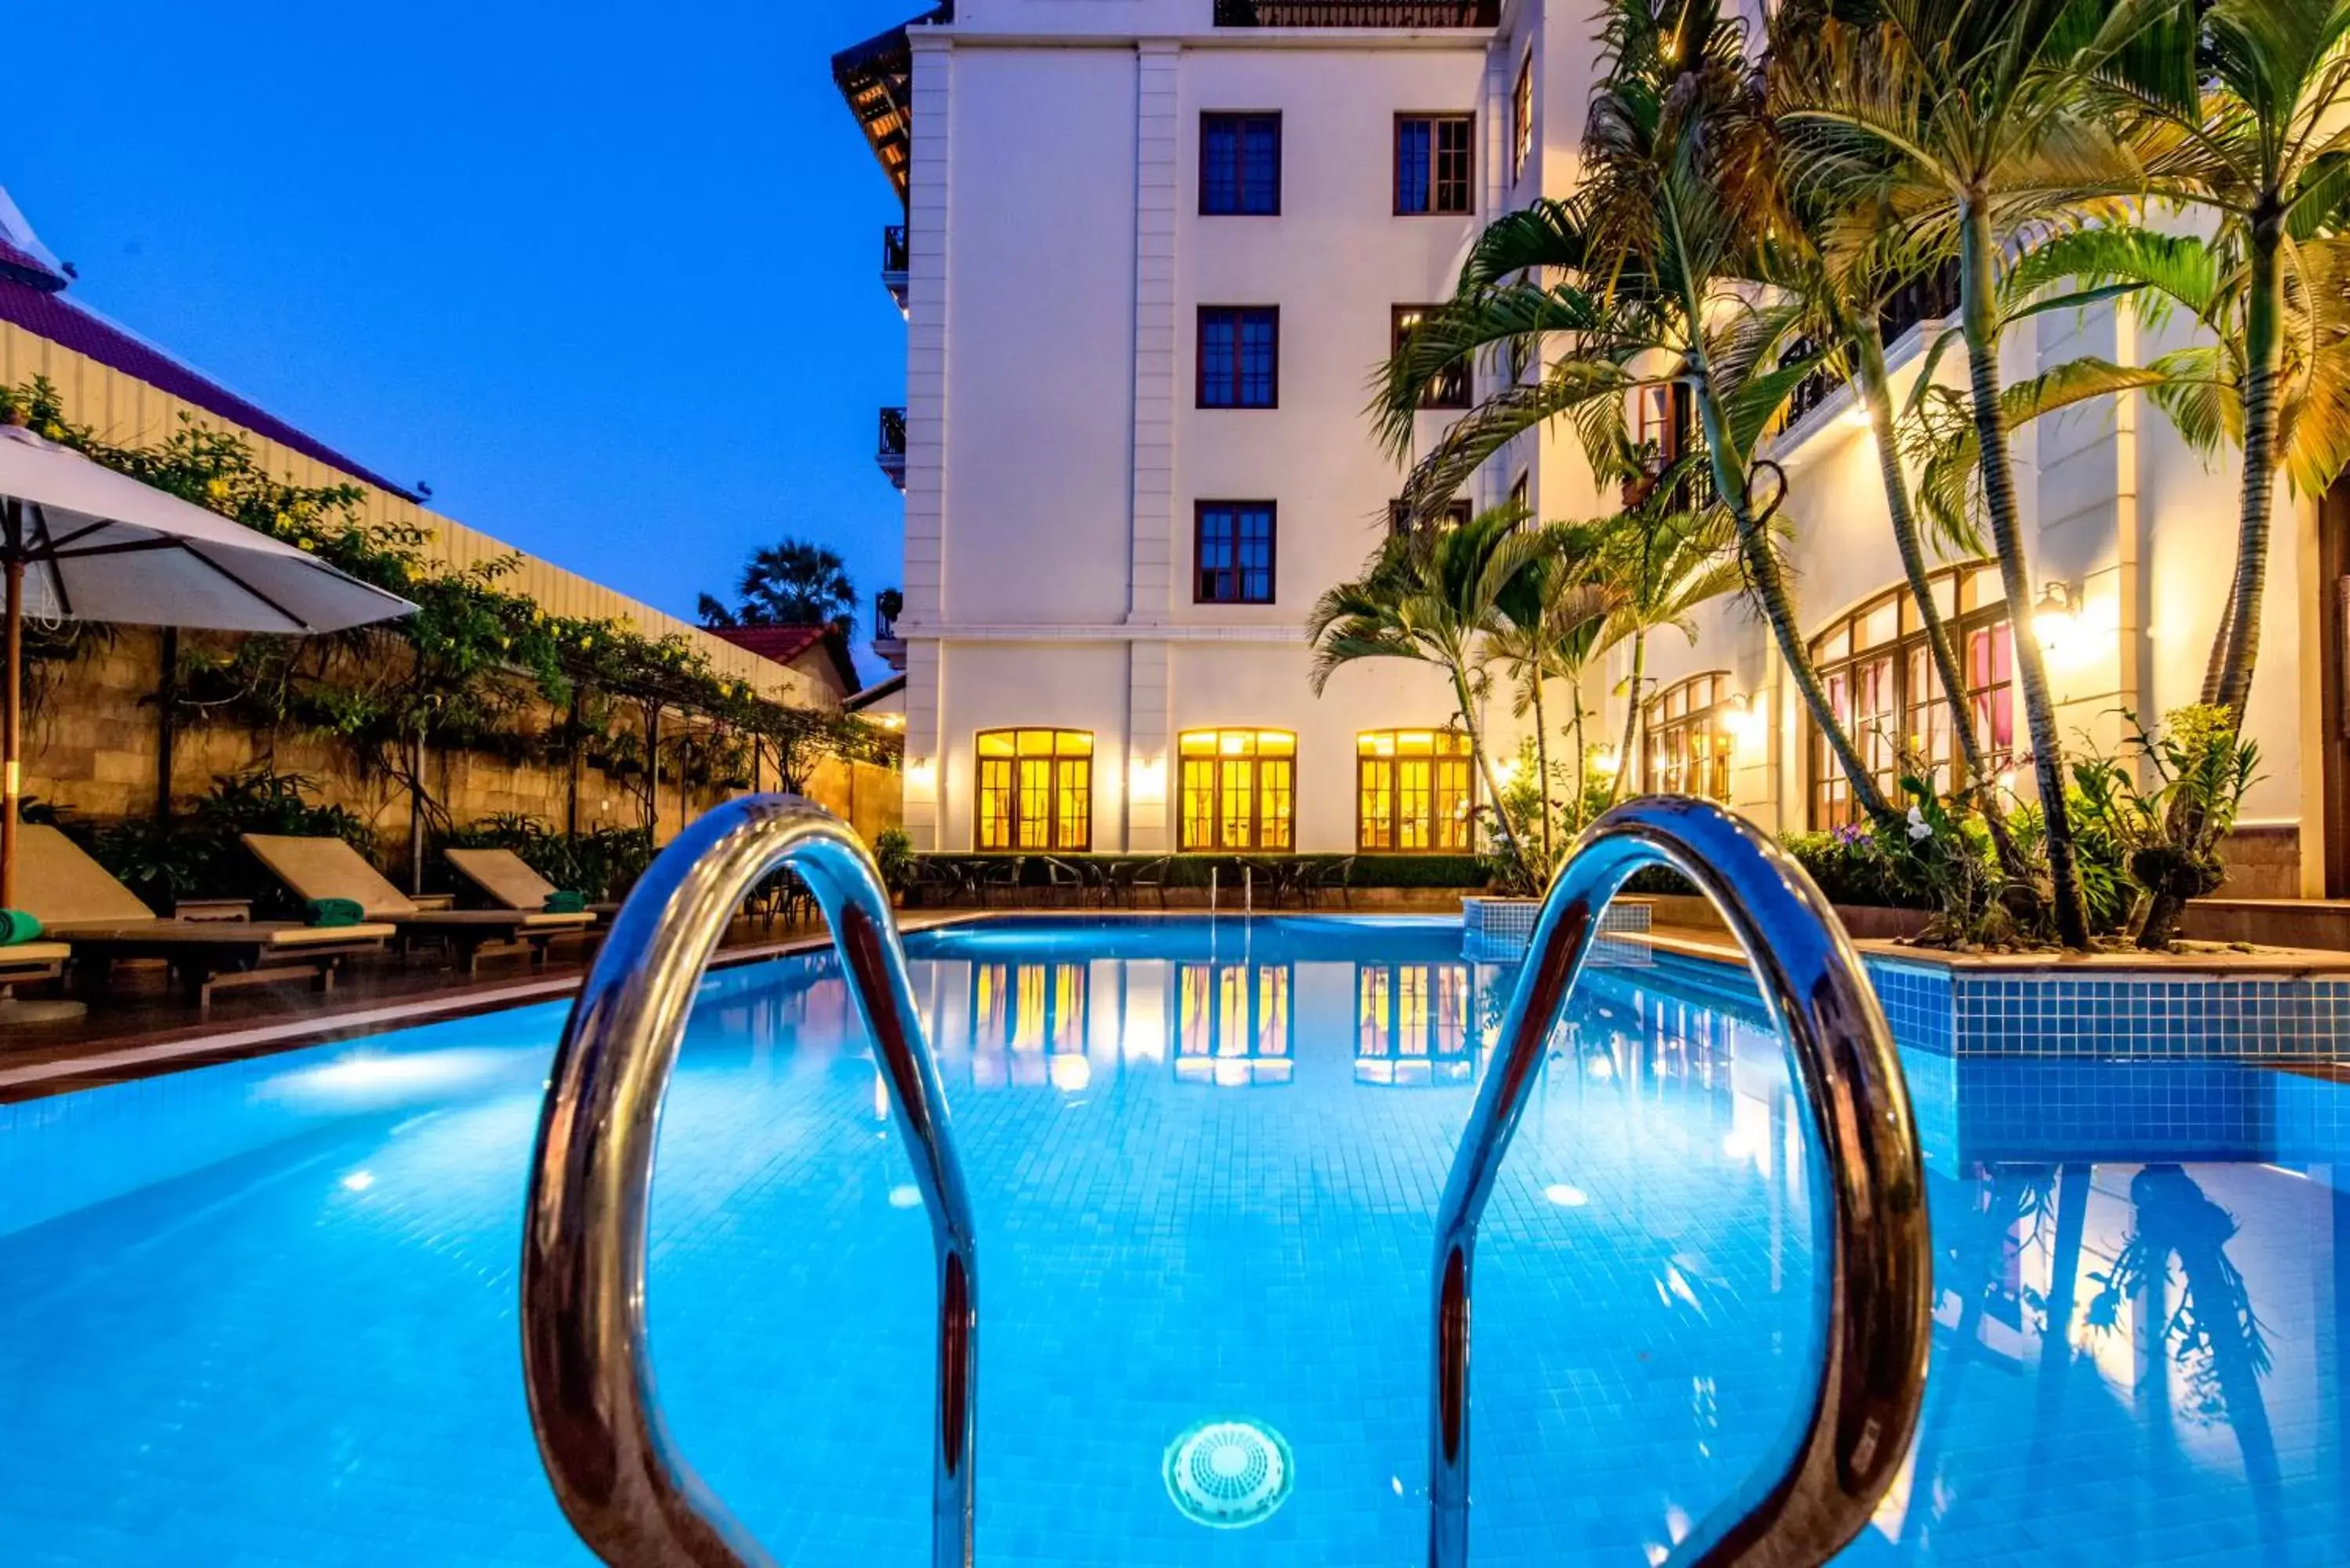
<point x="1456" y="389"/>
<point x="1394" y="846"/>
<point x="1656" y="728"/>
<point x="1272" y="510"/>
<point x="1818" y="760"/>
<point x="1433" y="118"/>
<point x="1240" y="174"/>
<point x="1053" y="791"/>
<point x="1215" y="760"/>
<point x="1199" y="357"/>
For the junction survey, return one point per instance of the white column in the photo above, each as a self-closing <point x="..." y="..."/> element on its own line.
<point x="1153" y="560"/>
<point x="927" y="218"/>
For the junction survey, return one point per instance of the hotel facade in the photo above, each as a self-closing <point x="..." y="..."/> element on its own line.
<point x="1153" y="252"/>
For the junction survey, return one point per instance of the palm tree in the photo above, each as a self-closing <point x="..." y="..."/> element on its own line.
<point x="1656" y="251"/>
<point x="1845" y="298"/>
<point x="1548" y="625"/>
<point x="1432" y="596"/>
<point x="793" y="583"/>
<point x="1963" y="125"/>
<point x="1665" y="559"/>
<point x="2254" y="119"/>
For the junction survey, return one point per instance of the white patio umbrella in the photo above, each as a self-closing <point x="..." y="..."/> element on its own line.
<point x="79" y="542"/>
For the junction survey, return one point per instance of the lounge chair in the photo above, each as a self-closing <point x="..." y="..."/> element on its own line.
<point x="102" y="920"/>
<point x="506" y="879"/>
<point x="329" y="869"/>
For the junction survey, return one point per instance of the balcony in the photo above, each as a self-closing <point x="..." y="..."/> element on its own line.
<point x="1358" y="13"/>
<point x="893" y="262"/>
<point x="887" y="645"/>
<point x="892" y="454"/>
<point x="1934" y="297"/>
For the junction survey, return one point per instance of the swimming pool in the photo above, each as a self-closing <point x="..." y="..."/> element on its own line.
<point x="265" y="1312"/>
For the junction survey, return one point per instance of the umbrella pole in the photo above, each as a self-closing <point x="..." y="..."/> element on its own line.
<point x="13" y="784"/>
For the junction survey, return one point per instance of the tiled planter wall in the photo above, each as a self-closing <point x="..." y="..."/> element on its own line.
<point x="1497" y="930"/>
<point x="2164" y="1016"/>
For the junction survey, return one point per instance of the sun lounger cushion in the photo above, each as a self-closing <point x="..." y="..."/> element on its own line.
<point x="331" y="912"/>
<point x="504" y="876"/>
<point x="59" y="883"/>
<point x="565" y="902"/>
<point x="17" y="928"/>
<point x="329" y="869"/>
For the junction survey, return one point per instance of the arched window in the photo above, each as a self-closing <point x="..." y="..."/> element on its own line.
<point x="1688" y="743"/>
<point x="1239" y="788"/>
<point x="1036" y="789"/>
<point x="1414" y="790"/>
<point x="1881" y="681"/>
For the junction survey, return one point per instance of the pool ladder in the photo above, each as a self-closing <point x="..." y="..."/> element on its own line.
<point x="636" y="1503"/>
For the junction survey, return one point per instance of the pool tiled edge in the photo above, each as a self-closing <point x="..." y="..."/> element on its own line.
<point x="2265" y="1008"/>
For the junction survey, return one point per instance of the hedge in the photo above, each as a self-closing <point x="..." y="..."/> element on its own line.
<point x="1442" y="871"/>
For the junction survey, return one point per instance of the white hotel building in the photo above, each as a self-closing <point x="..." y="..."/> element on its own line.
<point x="1154" y="250"/>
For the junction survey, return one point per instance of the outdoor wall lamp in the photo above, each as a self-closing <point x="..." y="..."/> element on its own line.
<point x="922" y="773"/>
<point x="1743" y="718"/>
<point x="1604" y="762"/>
<point x="1149" y="777"/>
<point x="2057" y="615"/>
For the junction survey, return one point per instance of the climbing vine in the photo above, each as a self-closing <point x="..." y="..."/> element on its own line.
<point x="470" y="670"/>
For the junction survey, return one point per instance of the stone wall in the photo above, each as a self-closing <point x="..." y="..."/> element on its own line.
<point x="92" y="740"/>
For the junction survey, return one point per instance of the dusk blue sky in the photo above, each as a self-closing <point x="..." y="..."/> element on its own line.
<point x="605" y="275"/>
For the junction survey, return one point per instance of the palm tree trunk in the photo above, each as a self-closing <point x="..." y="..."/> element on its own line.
<point x="1575" y="808"/>
<point x="1976" y="307"/>
<point x="1631" y="716"/>
<point x="1769" y="586"/>
<point x="2228" y="679"/>
<point x="1870" y="381"/>
<point x="1485" y="770"/>
<point x="1542" y="768"/>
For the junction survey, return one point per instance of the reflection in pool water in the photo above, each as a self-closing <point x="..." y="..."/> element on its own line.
<point x="265" y="1311"/>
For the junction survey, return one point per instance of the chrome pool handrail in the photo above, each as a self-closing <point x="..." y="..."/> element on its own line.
<point x="592" y="1403"/>
<point x="1878" y="1286"/>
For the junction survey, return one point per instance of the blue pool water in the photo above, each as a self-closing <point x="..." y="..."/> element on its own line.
<point x="263" y="1313"/>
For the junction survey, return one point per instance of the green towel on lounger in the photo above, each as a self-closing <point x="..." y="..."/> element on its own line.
<point x="336" y="912"/>
<point x="15" y="926"/>
<point x="563" y="901"/>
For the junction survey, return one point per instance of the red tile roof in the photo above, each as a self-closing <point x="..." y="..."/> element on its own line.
<point x="783" y="644"/>
<point x="48" y="312"/>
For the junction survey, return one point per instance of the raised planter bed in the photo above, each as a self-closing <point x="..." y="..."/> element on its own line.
<point x="1496" y="930"/>
<point x="2282" y="1006"/>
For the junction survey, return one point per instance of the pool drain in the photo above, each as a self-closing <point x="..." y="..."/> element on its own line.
<point x="1228" y="1475"/>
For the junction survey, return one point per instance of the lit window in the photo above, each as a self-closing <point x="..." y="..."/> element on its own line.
<point x="1522" y="117"/>
<point x="1231" y="553"/>
<point x="1414" y="791"/>
<point x="1449" y="390"/>
<point x="1036" y="789"/>
<point x="1240" y="164"/>
<point x="1455" y="514"/>
<point x="1882" y="686"/>
<point x="1240" y="356"/>
<point x="1239" y="789"/>
<point x="1689" y="745"/>
<point x="1435" y="162"/>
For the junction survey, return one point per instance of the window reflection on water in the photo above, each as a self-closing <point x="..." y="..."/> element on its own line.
<point x="2180" y="1317"/>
